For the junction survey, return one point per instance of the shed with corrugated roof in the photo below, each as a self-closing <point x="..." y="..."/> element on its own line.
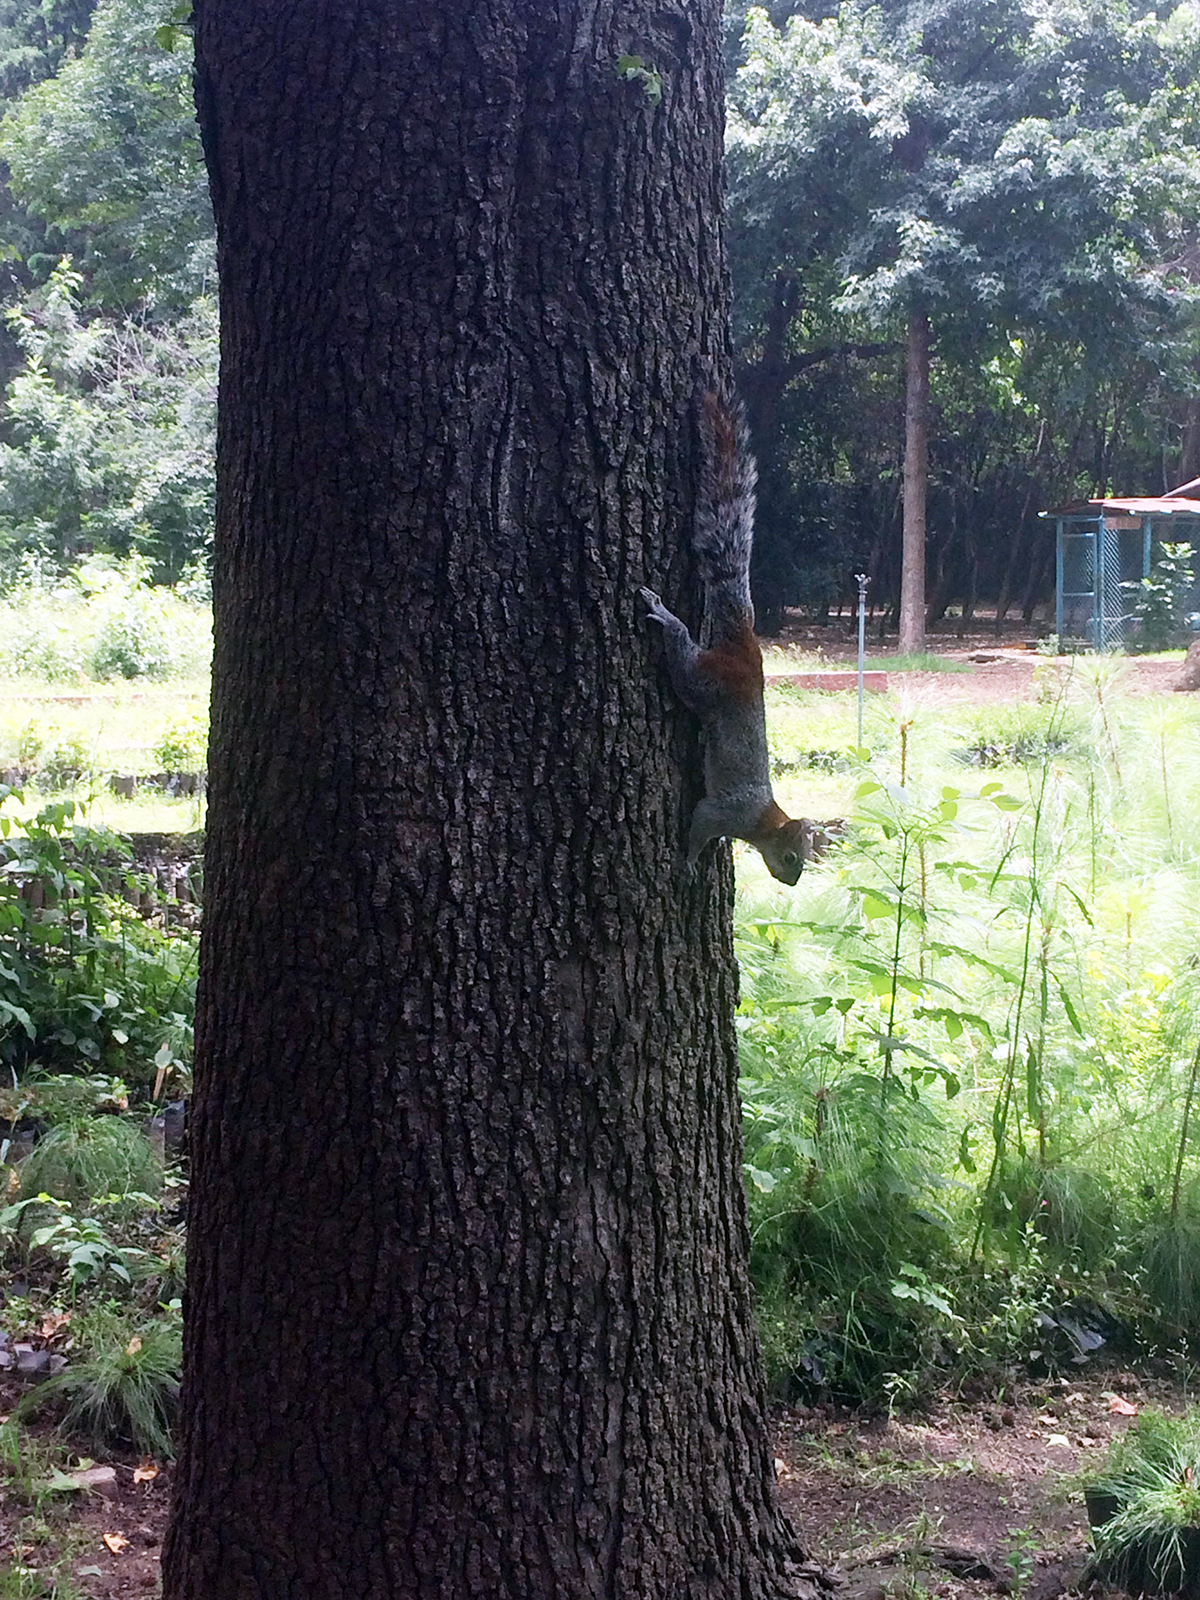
<point x="1104" y="548"/>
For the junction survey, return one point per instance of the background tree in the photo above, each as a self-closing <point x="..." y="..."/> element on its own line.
<point x="465" y="1118"/>
<point x="106" y="152"/>
<point x="1008" y="178"/>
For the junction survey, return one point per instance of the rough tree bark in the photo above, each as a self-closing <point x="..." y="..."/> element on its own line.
<point x="916" y="486"/>
<point x="468" y="1308"/>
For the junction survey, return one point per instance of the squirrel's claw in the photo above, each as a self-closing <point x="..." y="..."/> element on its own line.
<point x="655" y="610"/>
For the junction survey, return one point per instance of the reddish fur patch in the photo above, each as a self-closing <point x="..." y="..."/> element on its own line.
<point x="772" y="819"/>
<point x="736" y="664"/>
<point x="725" y="449"/>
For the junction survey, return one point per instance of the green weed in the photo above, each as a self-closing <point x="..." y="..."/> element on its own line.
<point x="969" y="1043"/>
<point x="99" y="1155"/>
<point x="124" y="1386"/>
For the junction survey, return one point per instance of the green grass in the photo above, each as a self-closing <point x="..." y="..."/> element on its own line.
<point x="117" y="726"/>
<point x="919" y="661"/>
<point x="1021" y="921"/>
<point x="122" y="1387"/>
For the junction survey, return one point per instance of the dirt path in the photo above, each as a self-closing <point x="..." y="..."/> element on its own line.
<point x="988" y="673"/>
<point x="964" y="1501"/>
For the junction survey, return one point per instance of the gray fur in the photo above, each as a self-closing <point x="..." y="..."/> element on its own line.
<point x="737" y="773"/>
<point x="724" y="528"/>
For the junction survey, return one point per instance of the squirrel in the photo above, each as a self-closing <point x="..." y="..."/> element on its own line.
<point x="723" y="684"/>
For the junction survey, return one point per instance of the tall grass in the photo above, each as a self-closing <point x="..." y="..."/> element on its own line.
<point x="970" y="1038"/>
<point x="104" y="623"/>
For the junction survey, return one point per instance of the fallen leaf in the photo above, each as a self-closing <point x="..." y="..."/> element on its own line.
<point x="89" y="1572"/>
<point x="54" y="1322"/>
<point x="62" y="1482"/>
<point x="1058" y="1438"/>
<point x="146" y="1471"/>
<point x="134" y="1345"/>
<point x="1120" y="1407"/>
<point x="116" y="1542"/>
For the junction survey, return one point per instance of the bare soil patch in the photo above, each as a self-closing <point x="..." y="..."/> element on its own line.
<point x="984" y="668"/>
<point x="106" y="1544"/>
<point x="966" y="1500"/>
<point x="961" y="1502"/>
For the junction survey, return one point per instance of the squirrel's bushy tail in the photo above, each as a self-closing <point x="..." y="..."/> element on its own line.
<point x="725" y="513"/>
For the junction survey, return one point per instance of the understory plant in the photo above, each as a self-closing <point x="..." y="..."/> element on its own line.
<point x="85" y="982"/>
<point x="1145" y="1501"/>
<point x="970" y="1053"/>
<point x="122" y="1384"/>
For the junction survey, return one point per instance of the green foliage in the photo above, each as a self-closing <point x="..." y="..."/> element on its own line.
<point x="1163" y="597"/>
<point x="110" y="436"/>
<point x="104" y="622"/>
<point x="134" y="639"/>
<point x="969" y="1048"/>
<point x="1168" y="1251"/>
<point x="1022" y="181"/>
<point x="122" y="1388"/>
<point x="35" y="36"/>
<point x="1153" y="1476"/>
<point x="84" y="982"/>
<point x="81" y="1245"/>
<point x="183" y="746"/>
<point x="108" y="152"/>
<point x="632" y="69"/>
<point x="97" y="1155"/>
<point x="1014" y="735"/>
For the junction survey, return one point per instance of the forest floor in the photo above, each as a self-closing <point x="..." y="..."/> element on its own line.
<point x="963" y="1500"/>
<point x="958" y="1502"/>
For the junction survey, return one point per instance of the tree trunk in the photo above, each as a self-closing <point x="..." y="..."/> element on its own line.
<point x="1189" y="458"/>
<point x="916" y="484"/>
<point x="468" y="1311"/>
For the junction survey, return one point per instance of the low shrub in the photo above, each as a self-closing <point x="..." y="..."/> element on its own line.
<point x="122" y="1388"/>
<point x="97" y="1156"/>
<point x="183" y="746"/>
<point x="1148" y="1537"/>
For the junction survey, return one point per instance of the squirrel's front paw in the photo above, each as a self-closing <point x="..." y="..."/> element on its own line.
<point x="655" y="609"/>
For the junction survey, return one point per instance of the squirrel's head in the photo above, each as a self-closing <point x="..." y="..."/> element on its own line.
<point x="787" y="848"/>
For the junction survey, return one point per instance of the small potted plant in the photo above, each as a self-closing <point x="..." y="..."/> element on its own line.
<point x="1144" y="1507"/>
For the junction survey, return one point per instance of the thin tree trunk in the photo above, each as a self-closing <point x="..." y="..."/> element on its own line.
<point x="916" y="486"/>
<point x="1189" y="458"/>
<point x="1004" y="600"/>
<point x="469" y="1315"/>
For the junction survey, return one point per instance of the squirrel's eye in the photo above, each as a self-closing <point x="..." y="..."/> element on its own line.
<point x="790" y="858"/>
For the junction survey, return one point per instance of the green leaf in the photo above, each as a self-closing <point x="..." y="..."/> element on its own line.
<point x="966" y="1159"/>
<point x="1083" y="910"/>
<point x="875" y="905"/>
<point x="1072" y="1014"/>
<point x="763" y="1181"/>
